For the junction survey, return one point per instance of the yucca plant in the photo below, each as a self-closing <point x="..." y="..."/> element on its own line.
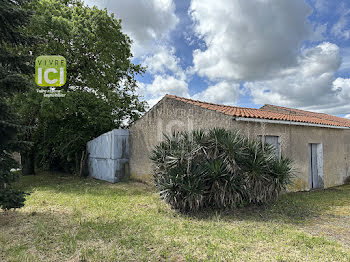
<point x="218" y="168"/>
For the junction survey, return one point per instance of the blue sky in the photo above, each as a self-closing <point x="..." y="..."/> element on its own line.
<point x="244" y="53"/>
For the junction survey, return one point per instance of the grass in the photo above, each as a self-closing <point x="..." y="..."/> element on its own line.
<point x="72" y="219"/>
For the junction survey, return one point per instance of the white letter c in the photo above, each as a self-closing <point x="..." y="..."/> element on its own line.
<point x="46" y="76"/>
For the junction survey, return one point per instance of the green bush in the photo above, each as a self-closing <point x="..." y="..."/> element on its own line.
<point x="217" y="169"/>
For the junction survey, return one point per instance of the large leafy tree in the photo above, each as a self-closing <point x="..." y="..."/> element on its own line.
<point x="100" y="88"/>
<point x="14" y="65"/>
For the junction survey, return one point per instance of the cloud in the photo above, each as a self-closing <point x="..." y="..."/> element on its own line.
<point x="147" y="22"/>
<point x="164" y="61"/>
<point x="161" y="85"/>
<point x="220" y="93"/>
<point x="309" y="85"/>
<point x="257" y="43"/>
<point x="319" y="32"/>
<point x="169" y="77"/>
<point x="321" y="5"/>
<point x="341" y="28"/>
<point x="260" y="43"/>
<point x="342" y="87"/>
<point x="248" y="40"/>
<point x="345" y="54"/>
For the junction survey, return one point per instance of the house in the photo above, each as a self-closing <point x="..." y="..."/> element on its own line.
<point x="319" y="144"/>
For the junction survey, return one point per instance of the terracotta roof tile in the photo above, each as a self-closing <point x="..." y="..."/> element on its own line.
<point x="271" y="112"/>
<point x="293" y="111"/>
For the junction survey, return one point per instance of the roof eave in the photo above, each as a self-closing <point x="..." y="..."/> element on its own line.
<point x="283" y="122"/>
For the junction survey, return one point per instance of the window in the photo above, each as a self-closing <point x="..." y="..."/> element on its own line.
<point x="275" y="142"/>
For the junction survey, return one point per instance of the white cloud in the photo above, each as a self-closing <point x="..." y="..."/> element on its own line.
<point x="342" y="87"/>
<point x="164" y="61"/>
<point x="151" y="102"/>
<point x="221" y="93"/>
<point x="168" y="85"/>
<point x="147" y="22"/>
<point x="341" y="28"/>
<point x="321" y="5"/>
<point x="260" y="42"/>
<point x="347" y="116"/>
<point x="161" y="85"/>
<point x="169" y="77"/>
<point x="345" y="54"/>
<point x="309" y="85"/>
<point x="257" y="42"/>
<point x="248" y="40"/>
<point x="318" y="60"/>
<point x="319" y="32"/>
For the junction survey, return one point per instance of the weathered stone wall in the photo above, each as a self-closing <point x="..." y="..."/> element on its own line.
<point x="166" y="116"/>
<point x="347" y="153"/>
<point x="170" y="114"/>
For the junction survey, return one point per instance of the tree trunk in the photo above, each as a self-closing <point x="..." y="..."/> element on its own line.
<point x="77" y="164"/>
<point x="84" y="172"/>
<point x="28" y="163"/>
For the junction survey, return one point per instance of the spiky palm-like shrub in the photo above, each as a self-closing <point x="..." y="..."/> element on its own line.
<point x="218" y="168"/>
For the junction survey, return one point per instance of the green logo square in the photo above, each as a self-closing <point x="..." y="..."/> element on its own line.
<point x="50" y="70"/>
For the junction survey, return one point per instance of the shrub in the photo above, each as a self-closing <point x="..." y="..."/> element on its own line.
<point x="218" y="169"/>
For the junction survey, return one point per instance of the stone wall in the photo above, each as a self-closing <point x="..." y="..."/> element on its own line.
<point x="170" y="114"/>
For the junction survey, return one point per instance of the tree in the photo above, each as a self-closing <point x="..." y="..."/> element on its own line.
<point x="13" y="67"/>
<point x="100" y="87"/>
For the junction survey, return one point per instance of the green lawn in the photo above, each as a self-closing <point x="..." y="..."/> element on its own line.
<point x="72" y="219"/>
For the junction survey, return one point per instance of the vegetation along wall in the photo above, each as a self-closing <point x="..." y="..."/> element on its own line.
<point x="293" y="140"/>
